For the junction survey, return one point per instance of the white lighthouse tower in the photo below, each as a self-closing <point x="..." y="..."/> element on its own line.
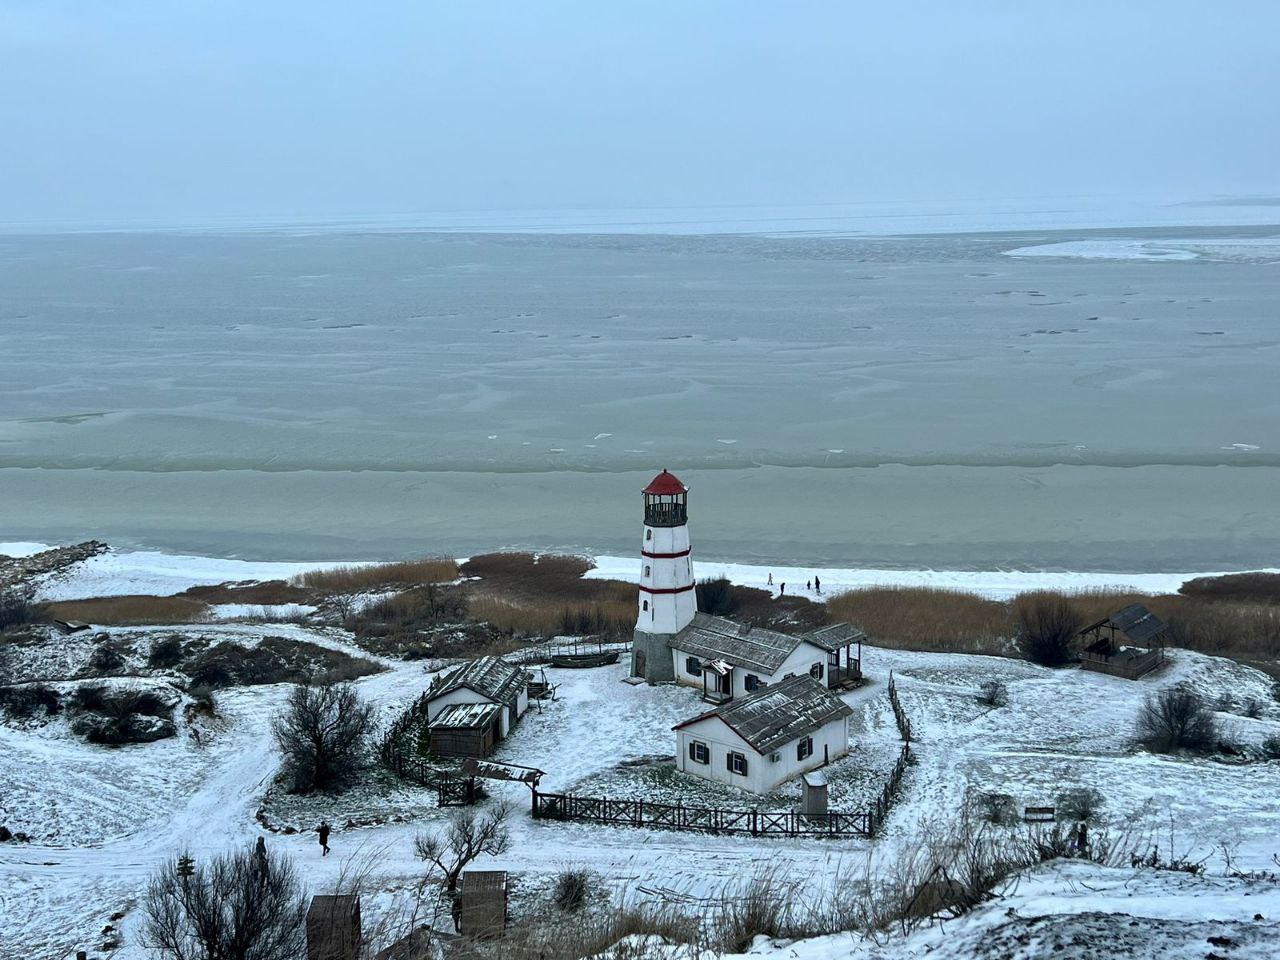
<point x="667" y="598"/>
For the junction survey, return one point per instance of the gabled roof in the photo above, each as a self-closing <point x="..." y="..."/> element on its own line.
<point x="835" y="636"/>
<point x="779" y="714"/>
<point x="752" y="648"/>
<point x="490" y="677"/>
<point x="467" y="716"/>
<point x="1136" y="622"/>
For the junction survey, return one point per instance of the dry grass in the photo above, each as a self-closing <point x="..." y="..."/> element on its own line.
<point x="266" y="593"/>
<point x="550" y="616"/>
<point x="920" y="618"/>
<point x="379" y="576"/>
<point x="131" y="610"/>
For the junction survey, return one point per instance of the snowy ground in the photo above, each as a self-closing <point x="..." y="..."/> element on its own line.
<point x="146" y="572"/>
<point x="120" y="813"/>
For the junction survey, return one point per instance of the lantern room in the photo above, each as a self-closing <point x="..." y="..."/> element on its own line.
<point x="666" y="502"/>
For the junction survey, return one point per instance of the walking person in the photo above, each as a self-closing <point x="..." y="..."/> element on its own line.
<point x="782" y="589"/>
<point x="808" y="585"/>
<point x="260" y="853"/>
<point x="817" y="584"/>
<point x="771" y="578"/>
<point x="323" y="830"/>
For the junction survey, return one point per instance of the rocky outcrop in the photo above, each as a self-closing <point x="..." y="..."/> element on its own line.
<point x="16" y="570"/>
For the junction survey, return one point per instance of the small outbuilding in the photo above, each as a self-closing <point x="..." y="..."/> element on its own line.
<point x="488" y="682"/>
<point x="767" y="737"/>
<point x="333" y="927"/>
<point x="482" y="904"/>
<point x="1129" y="643"/>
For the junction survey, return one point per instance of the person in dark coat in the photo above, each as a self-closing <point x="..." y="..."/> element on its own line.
<point x="323" y="830"/>
<point x="782" y="589"/>
<point x="260" y="852"/>
<point x="817" y="584"/>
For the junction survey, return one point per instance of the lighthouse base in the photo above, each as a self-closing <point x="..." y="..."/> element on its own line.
<point x="651" y="657"/>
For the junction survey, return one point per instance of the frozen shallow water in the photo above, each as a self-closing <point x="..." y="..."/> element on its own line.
<point x="888" y="401"/>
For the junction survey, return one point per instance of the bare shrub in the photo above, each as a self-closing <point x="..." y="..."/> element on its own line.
<point x="997" y="808"/>
<point x="24" y="702"/>
<point x="1079" y="805"/>
<point x="236" y="907"/>
<point x="17" y="606"/>
<point x="921" y="618"/>
<point x="1253" y="708"/>
<point x="571" y="888"/>
<point x="993" y="693"/>
<point x="363" y="578"/>
<point x="1045" y="626"/>
<point x="1176" y="719"/>
<point x="716" y="596"/>
<point x="106" y="660"/>
<point x="165" y="653"/>
<point x="273" y="660"/>
<point x="324" y="736"/>
<point x="1270" y="748"/>
<point x="111" y="611"/>
<point x="117" y="718"/>
<point x="469" y="833"/>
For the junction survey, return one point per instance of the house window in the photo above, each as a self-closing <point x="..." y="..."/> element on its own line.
<point x="648" y="534"/>
<point x="736" y="763"/>
<point x="644" y="604"/>
<point x="646" y="570"/>
<point x="751" y="682"/>
<point x="693" y="666"/>
<point x="699" y="752"/>
<point x="816" y="671"/>
<point x="804" y="748"/>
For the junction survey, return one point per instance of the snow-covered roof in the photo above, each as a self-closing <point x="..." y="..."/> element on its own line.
<point x="753" y="648"/>
<point x="1135" y="621"/>
<point x="467" y="716"/>
<point x="490" y="677"/>
<point x="835" y="636"/>
<point x="779" y="714"/>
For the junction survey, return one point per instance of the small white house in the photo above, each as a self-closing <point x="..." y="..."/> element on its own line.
<point x="727" y="660"/>
<point x="488" y="680"/>
<point x="767" y="737"/>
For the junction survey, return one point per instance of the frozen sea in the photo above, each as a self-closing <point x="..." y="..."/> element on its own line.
<point x="1074" y="399"/>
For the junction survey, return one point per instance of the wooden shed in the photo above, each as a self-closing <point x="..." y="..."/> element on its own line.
<point x="333" y="928"/>
<point x="482" y="904"/>
<point x="466" y="729"/>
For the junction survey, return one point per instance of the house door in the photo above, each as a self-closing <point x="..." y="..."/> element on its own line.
<point x="724" y="683"/>
<point x="640" y="664"/>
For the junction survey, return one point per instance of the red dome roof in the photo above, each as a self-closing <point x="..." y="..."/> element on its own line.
<point x="665" y="485"/>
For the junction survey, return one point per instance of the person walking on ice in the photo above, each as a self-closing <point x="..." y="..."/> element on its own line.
<point x="323" y="830"/>
<point x="817" y="584"/>
<point x="808" y="585"/>
<point x="782" y="589"/>
<point x="771" y="579"/>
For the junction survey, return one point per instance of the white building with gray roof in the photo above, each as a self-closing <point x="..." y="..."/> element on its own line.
<point x="765" y="738"/>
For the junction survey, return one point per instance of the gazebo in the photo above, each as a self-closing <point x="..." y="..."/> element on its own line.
<point x="1129" y="643"/>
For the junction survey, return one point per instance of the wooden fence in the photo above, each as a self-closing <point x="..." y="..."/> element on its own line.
<point x="900" y="715"/>
<point x="714" y="820"/>
<point x="1129" y="667"/>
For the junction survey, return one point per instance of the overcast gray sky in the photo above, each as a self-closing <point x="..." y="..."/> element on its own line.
<point x="178" y="111"/>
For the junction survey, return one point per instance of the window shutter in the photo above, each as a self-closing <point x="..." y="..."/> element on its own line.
<point x="692" y="751"/>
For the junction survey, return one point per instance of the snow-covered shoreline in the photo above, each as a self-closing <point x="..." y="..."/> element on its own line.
<point x="152" y="572"/>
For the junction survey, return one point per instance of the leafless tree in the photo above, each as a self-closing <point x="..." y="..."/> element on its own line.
<point x="324" y="735"/>
<point x="469" y="834"/>
<point x="1176" y="719"/>
<point x="239" y="906"/>
<point x="1046" y="625"/>
<point x="993" y="694"/>
<point x="17" y="605"/>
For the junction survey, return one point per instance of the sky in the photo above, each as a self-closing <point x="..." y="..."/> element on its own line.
<point x="184" y="111"/>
